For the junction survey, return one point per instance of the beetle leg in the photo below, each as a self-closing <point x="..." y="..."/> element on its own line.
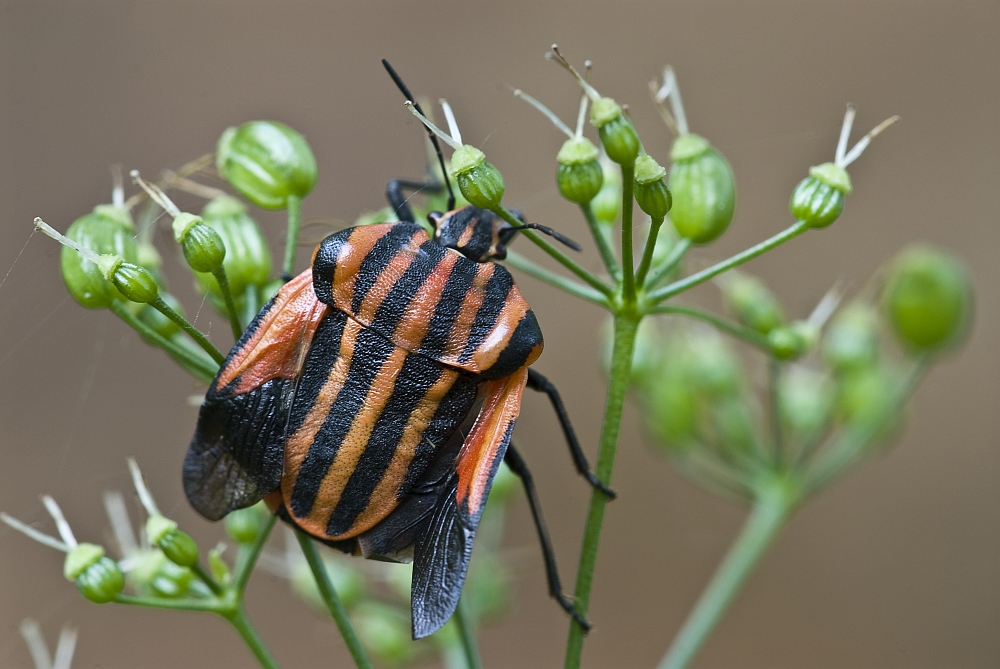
<point x="398" y="200"/>
<point x="541" y="384"/>
<point x="518" y="466"/>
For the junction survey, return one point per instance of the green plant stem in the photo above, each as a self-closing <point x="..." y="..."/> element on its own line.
<point x="332" y="600"/>
<point x="625" y="326"/>
<point x="515" y="259"/>
<point x="770" y="510"/>
<point x="559" y="256"/>
<point x="687" y="282"/>
<point x="749" y="335"/>
<point x="197" y="365"/>
<point x="676" y="254"/>
<point x="467" y="634"/>
<point x="647" y="253"/>
<point x="247" y="556"/>
<point x="601" y="240"/>
<point x="774" y="369"/>
<point x="252" y="639"/>
<point x="227" y="296"/>
<point x="628" y="268"/>
<point x="212" y="605"/>
<point x="207" y="578"/>
<point x="191" y="330"/>
<point x="292" y="238"/>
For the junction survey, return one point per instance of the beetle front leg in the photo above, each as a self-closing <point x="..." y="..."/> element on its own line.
<point x="400" y="202"/>
<point x="518" y="466"/>
<point x="541" y="384"/>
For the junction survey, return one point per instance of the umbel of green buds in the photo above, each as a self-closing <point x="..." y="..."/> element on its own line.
<point x="928" y="298"/>
<point x="752" y="302"/>
<point x="819" y="198"/>
<point x="651" y="192"/>
<point x="247" y="258"/>
<point x="267" y="162"/>
<point x="480" y="182"/>
<point x="107" y="230"/>
<point x="202" y="246"/>
<point x="177" y="545"/>
<point x="580" y="175"/>
<point x="97" y="577"/>
<point x="619" y="138"/>
<point x="703" y="188"/>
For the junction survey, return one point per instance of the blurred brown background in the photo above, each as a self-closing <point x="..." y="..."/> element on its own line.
<point x="895" y="567"/>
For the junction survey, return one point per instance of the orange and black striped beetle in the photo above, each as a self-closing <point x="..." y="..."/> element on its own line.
<point x="342" y="402"/>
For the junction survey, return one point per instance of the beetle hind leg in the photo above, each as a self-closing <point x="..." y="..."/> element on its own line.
<point x="518" y="466"/>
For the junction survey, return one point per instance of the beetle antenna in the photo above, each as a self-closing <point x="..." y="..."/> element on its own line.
<point x="544" y="229"/>
<point x="437" y="146"/>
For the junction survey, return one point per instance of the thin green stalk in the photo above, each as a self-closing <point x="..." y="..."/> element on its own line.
<point x="749" y="335"/>
<point x="227" y="296"/>
<point x="515" y="259"/>
<point x="191" y="330"/>
<point x="774" y="400"/>
<point x="647" y="253"/>
<point x="252" y="639"/>
<point x="292" y="238"/>
<point x="559" y="256"/>
<point x="467" y="634"/>
<point x="207" y="578"/>
<point x="601" y="240"/>
<point x="687" y="282"/>
<point x="247" y="556"/>
<point x="676" y="254"/>
<point x="621" y="367"/>
<point x="184" y="604"/>
<point x="199" y="366"/>
<point x="771" y="509"/>
<point x="333" y="603"/>
<point x="628" y="268"/>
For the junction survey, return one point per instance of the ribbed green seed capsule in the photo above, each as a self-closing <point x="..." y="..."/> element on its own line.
<point x="786" y="343"/>
<point x="618" y="137"/>
<point x="134" y="282"/>
<point x="580" y="175"/>
<point x="267" y="162"/>
<point x="650" y="191"/>
<point x="107" y="230"/>
<point x="244" y="525"/>
<point x="703" y="188"/>
<point x="928" y="298"/>
<point x="819" y="198"/>
<point x="608" y="201"/>
<point x="750" y="300"/>
<point x="203" y="247"/>
<point x="102" y="581"/>
<point x="179" y="548"/>
<point x="480" y="182"/>
<point x="247" y="259"/>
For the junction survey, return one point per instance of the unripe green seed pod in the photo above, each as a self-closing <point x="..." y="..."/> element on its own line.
<point x="928" y="298"/>
<point x="651" y="192"/>
<point x="480" y="182"/>
<point x="267" y="162"/>
<point x="218" y="566"/>
<point x="752" y="302"/>
<point x="102" y="581"/>
<point x="107" y="230"/>
<point x="703" y="189"/>
<point x="851" y="340"/>
<point x="608" y="201"/>
<point x="619" y="138"/>
<point x="819" y="198"/>
<point x="157" y="527"/>
<point x="80" y="558"/>
<point x="203" y="247"/>
<point x="244" y="525"/>
<point x="865" y="397"/>
<point x="247" y="260"/>
<point x="134" y="282"/>
<point x="580" y="175"/>
<point x="179" y="548"/>
<point x="786" y="343"/>
<point x="170" y="580"/>
<point x="805" y="399"/>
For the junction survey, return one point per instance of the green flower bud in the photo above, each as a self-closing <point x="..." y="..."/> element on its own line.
<point x="617" y="134"/>
<point x="244" y="525"/>
<point x="805" y="399"/>
<point x="80" y="558"/>
<point x="865" y="397"/>
<point x="819" y="198"/>
<point x="247" y="258"/>
<point x="928" y="298"/>
<point x="703" y="189"/>
<point x="580" y="175"/>
<point x="108" y="230"/>
<point x="851" y="341"/>
<point x="159" y="576"/>
<point x="134" y="282"/>
<point x="480" y="182"/>
<point x="102" y="581"/>
<point x="608" y="201"/>
<point x="751" y="302"/>
<point x="786" y="343"/>
<point x="218" y="566"/>
<point x="267" y="162"/>
<point x="651" y="192"/>
<point x="203" y="247"/>
<point x="179" y="548"/>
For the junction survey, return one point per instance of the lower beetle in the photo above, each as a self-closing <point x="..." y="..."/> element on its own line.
<point x="342" y="402"/>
